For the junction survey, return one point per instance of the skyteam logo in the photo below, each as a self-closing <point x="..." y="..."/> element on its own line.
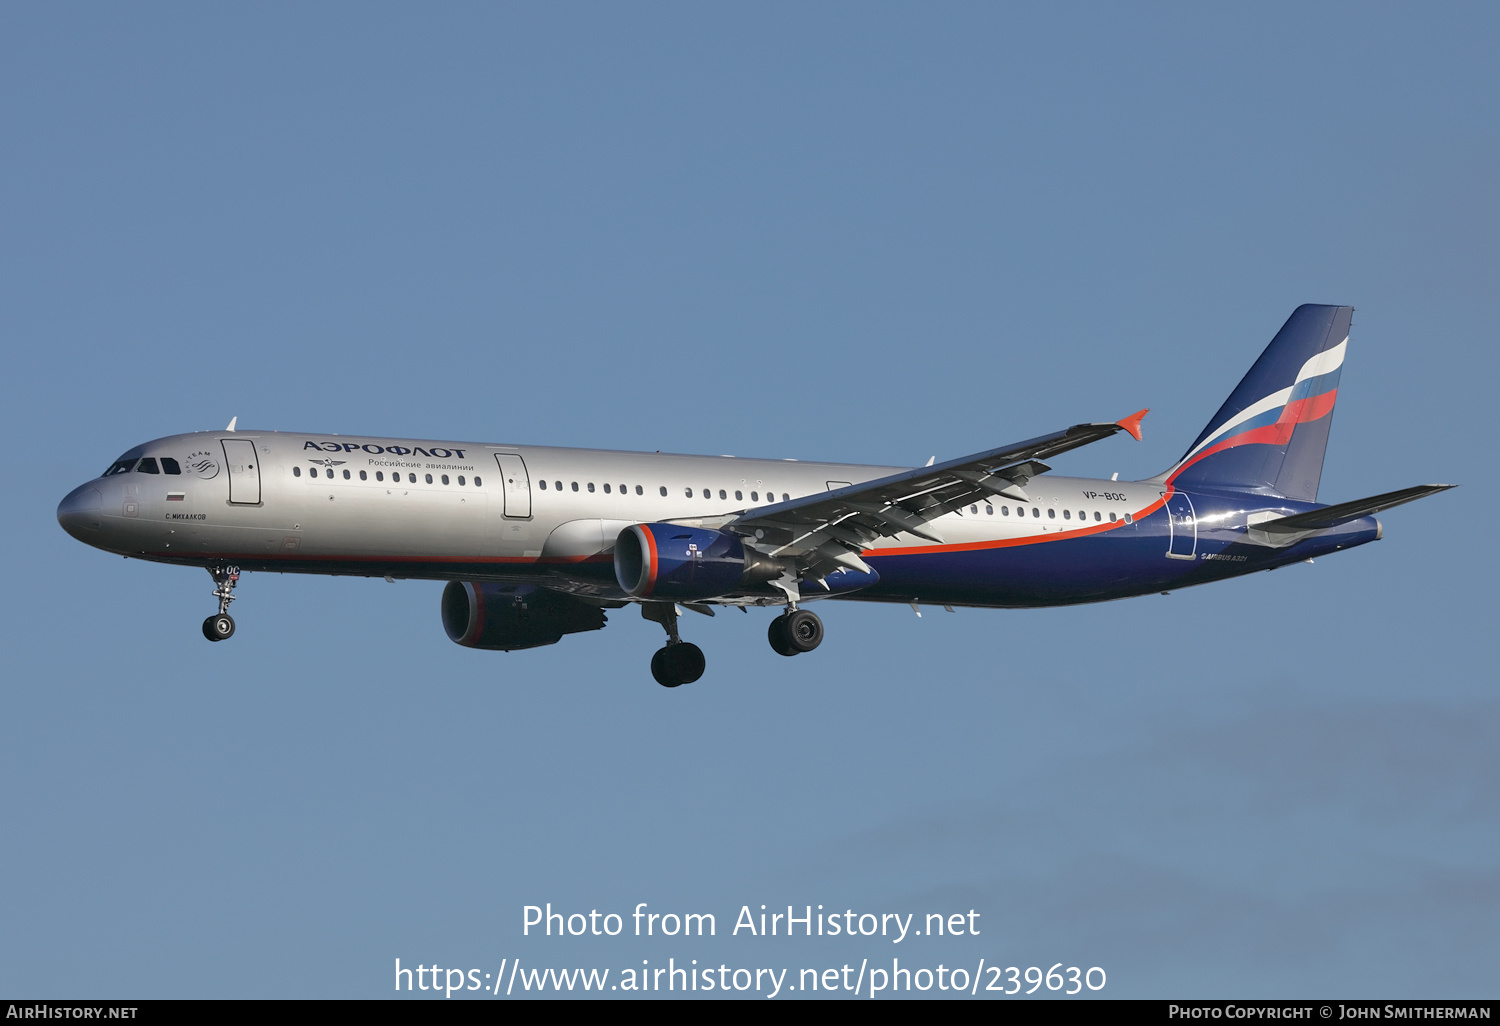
<point x="1272" y="420"/>
<point x="203" y="464"/>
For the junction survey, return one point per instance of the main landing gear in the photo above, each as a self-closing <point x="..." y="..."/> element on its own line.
<point x="795" y="631"/>
<point x="220" y="626"/>
<point x="678" y="662"/>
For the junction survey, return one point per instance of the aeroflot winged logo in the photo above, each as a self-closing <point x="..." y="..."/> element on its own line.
<point x="436" y="452"/>
<point x="328" y="463"/>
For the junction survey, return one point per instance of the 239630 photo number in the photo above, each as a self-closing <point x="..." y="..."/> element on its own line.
<point x="1070" y="980"/>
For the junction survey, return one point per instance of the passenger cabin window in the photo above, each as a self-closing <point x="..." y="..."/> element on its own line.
<point x="380" y="475"/>
<point x="542" y="482"/>
<point x="664" y="491"/>
<point x="591" y="486"/>
<point x="723" y="494"/>
<point x="1067" y="514"/>
<point x="363" y="476"/>
<point x="460" y="479"/>
<point x="478" y="482"/>
<point x="296" y="471"/>
<point x="755" y="496"/>
<point x="346" y="475"/>
<point x="638" y="490"/>
<point x="445" y="479"/>
<point x="606" y="488"/>
<point x="575" y="486"/>
<point x="1005" y="511"/>
<point x="147" y="466"/>
<point x="738" y="495"/>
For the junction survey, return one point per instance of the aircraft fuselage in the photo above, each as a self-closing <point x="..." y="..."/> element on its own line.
<point x="335" y="504"/>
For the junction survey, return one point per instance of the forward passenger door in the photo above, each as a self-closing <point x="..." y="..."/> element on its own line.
<point x="244" y="471"/>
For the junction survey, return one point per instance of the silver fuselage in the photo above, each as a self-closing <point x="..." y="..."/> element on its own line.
<point x="407" y="508"/>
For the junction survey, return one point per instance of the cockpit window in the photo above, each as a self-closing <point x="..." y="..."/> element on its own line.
<point x="148" y="466"/>
<point x="119" y="467"/>
<point x="171" y="466"/>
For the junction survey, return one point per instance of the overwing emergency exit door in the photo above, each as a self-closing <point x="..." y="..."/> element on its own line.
<point x="517" y="484"/>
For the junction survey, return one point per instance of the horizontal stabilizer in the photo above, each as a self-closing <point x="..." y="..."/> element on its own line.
<point x="1332" y="516"/>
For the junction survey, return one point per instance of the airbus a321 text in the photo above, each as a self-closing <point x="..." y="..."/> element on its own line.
<point x="538" y="542"/>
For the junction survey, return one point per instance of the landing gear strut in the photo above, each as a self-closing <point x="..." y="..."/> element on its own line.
<point x="795" y="631"/>
<point x="220" y="626"/>
<point x="678" y="662"/>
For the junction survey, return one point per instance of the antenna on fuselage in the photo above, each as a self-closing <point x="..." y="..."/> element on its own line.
<point x="232" y="422"/>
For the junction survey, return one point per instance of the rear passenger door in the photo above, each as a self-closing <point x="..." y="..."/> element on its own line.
<point x="1182" y="526"/>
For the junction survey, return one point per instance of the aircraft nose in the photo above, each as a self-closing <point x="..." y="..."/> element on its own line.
<point x="81" y="512"/>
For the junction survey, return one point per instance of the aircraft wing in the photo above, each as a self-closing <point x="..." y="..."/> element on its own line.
<point x="1332" y="516"/>
<point x="826" y="532"/>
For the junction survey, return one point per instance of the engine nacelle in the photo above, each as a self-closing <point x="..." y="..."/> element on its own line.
<point x="669" y="561"/>
<point x="507" y="617"/>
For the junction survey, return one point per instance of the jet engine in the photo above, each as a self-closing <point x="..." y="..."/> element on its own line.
<point x="670" y="561"/>
<point x="507" y="617"/>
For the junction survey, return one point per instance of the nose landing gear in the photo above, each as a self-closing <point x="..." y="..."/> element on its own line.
<point x="795" y="631"/>
<point x="220" y="626"/>
<point x="678" y="662"/>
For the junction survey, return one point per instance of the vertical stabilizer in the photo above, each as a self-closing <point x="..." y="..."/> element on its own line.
<point x="1271" y="432"/>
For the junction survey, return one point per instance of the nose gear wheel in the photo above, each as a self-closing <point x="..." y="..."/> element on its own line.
<point x="220" y="627"/>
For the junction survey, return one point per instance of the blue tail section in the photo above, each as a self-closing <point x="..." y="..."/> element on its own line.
<point x="1270" y="434"/>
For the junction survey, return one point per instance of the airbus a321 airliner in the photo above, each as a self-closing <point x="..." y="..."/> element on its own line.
<point x="538" y="542"/>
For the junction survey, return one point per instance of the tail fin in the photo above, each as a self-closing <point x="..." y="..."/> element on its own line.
<point x="1271" y="432"/>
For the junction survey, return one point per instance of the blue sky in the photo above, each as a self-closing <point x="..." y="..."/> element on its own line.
<point x="872" y="233"/>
